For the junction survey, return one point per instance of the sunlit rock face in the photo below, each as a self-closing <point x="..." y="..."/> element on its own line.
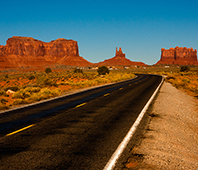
<point x="179" y="56"/>
<point x="27" y="52"/>
<point x="120" y="59"/>
<point x="119" y="53"/>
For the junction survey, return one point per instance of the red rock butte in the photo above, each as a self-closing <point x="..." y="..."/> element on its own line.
<point x="119" y="59"/>
<point x="27" y="52"/>
<point x="178" y="56"/>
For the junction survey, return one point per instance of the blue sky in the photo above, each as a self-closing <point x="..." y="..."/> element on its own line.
<point x="140" y="27"/>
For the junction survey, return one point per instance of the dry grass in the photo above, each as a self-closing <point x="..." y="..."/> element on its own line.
<point x="37" y="86"/>
<point x="187" y="81"/>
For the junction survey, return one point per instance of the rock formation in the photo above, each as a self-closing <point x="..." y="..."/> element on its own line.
<point x="27" y="52"/>
<point x="179" y="56"/>
<point x="119" y="59"/>
<point x="119" y="53"/>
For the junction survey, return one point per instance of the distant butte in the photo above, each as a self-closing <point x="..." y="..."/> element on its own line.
<point x="27" y="52"/>
<point x="119" y="59"/>
<point x="23" y="52"/>
<point x="178" y="56"/>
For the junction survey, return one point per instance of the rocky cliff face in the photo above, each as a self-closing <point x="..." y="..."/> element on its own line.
<point x="27" y="51"/>
<point x="178" y="55"/>
<point x="119" y="59"/>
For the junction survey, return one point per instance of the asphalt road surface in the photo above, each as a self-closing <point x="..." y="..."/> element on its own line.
<point x="79" y="131"/>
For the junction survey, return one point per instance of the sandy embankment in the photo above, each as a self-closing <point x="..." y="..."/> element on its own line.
<point x="171" y="141"/>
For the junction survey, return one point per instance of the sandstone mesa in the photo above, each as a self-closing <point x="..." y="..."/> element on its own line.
<point x="27" y="51"/>
<point x="178" y="56"/>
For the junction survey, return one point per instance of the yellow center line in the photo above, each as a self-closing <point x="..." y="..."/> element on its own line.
<point x="106" y="94"/>
<point x="80" y="105"/>
<point x="121" y="88"/>
<point x="20" y="130"/>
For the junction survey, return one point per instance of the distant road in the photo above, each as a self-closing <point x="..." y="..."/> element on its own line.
<point x="80" y="131"/>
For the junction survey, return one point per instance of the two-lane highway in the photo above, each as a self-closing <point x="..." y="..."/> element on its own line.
<point x="79" y="131"/>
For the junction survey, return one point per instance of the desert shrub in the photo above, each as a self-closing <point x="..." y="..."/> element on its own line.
<point x="48" y="70"/>
<point x="32" y="89"/>
<point x="34" y="97"/>
<point x="30" y="95"/>
<point x="103" y="70"/>
<point x="40" y="79"/>
<point x="101" y="80"/>
<point x="3" y="101"/>
<point x="184" y="69"/>
<point x="26" y="93"/>
<point x="49" y="82"/>
<point x="78" y="70"/>
<point x="170" y="77"/>
<point x="13" y="88"/>
<point x="56" y="92"/>
<point x="3" y="106"/>
<point x="67" y="76"/>
<point x="3" y="93"/>
<point x="18" y="101"/>
<point x="63" y="83"/>
<point x="186" y="80"/>
<point x="31" y="77"/>
<point x="46" y="93"/>
<point x="18" y="94"/>
<point x="90" y="76"/>
<point x="22" y="94"/>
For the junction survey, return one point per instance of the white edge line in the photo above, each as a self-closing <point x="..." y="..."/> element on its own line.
<point x="114" y="158"/>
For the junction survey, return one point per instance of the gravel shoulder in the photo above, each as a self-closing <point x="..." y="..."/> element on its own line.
<point x="171" y="138"/>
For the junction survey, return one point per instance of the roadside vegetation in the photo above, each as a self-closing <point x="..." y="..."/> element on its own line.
<point x="28" y="87"/>
<point x="182" y="77"/>
<point x="103" y="70"/>
<point x="187" y="80"/>
<point x="24" y="88"/>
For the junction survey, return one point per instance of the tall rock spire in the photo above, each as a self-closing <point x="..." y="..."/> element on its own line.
<point x="119" y="53"/>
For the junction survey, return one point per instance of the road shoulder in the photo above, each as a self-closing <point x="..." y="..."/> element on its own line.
<point x="171" y="139"/>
